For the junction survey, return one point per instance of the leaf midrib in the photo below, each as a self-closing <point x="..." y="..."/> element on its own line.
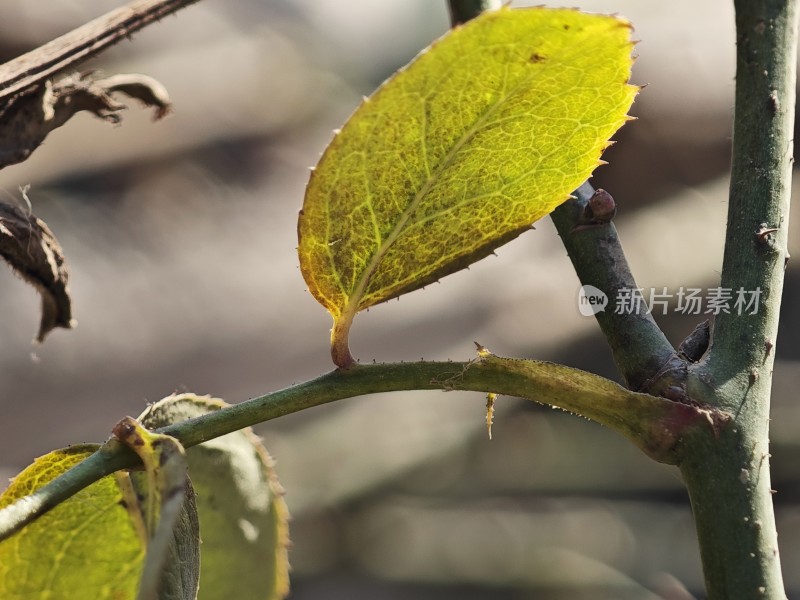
<point x="353" y="300"/>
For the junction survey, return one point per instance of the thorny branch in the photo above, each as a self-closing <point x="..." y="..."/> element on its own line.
<point x="71" y="49"/>
<point x="32" y="105"/>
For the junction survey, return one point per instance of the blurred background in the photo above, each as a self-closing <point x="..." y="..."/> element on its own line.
<point x="180" y="237"/>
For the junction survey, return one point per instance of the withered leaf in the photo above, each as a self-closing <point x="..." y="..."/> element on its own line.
<point x="27" y="118"/>
<point x="28" y="245"/>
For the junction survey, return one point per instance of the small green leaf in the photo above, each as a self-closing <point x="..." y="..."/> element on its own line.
<point x="460" y="152"/>
<point x="86" y="547"/>
<point x="243" y="517"/>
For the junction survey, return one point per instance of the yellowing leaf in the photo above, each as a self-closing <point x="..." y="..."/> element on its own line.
<point x="86" y="547"/>
<point x="484" y="133"/>
<point x="125" y="537"/>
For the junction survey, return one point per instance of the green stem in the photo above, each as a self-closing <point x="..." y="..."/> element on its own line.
<point x="758" y="209"/>
<point x="729" y="488"/>
<point x="340" y="341"/>
<point x="462" y="11"/>
<point x="728" y="478"/>
<point x="109" y="458"/>
<point x="641" y="350"/>
<point x="80" y="44"/>
<point x="653" y="424"/>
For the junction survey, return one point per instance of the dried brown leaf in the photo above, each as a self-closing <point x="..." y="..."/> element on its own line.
<point x="28" y="245"/>
<point x="27" y="119"/>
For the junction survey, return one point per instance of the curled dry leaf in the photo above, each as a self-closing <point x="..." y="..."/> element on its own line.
<point x="27" y="118"/>
<point x="150" y="92"/>
<point x="28" y="245"/>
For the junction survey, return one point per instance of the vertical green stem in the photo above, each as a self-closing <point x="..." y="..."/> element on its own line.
<point x="758" y="211"/>
<point x="462" y="11"/>
<point x="729" y="487"/>
<point x="728" y="477"/>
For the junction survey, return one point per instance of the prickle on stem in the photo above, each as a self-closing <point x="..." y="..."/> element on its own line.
<point x="600" y="208"/>
<point x="490" y="398"/>
<point x="483" y="351"/>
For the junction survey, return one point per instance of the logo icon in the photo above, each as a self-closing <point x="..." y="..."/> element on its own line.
<point x="591" y="300"/>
